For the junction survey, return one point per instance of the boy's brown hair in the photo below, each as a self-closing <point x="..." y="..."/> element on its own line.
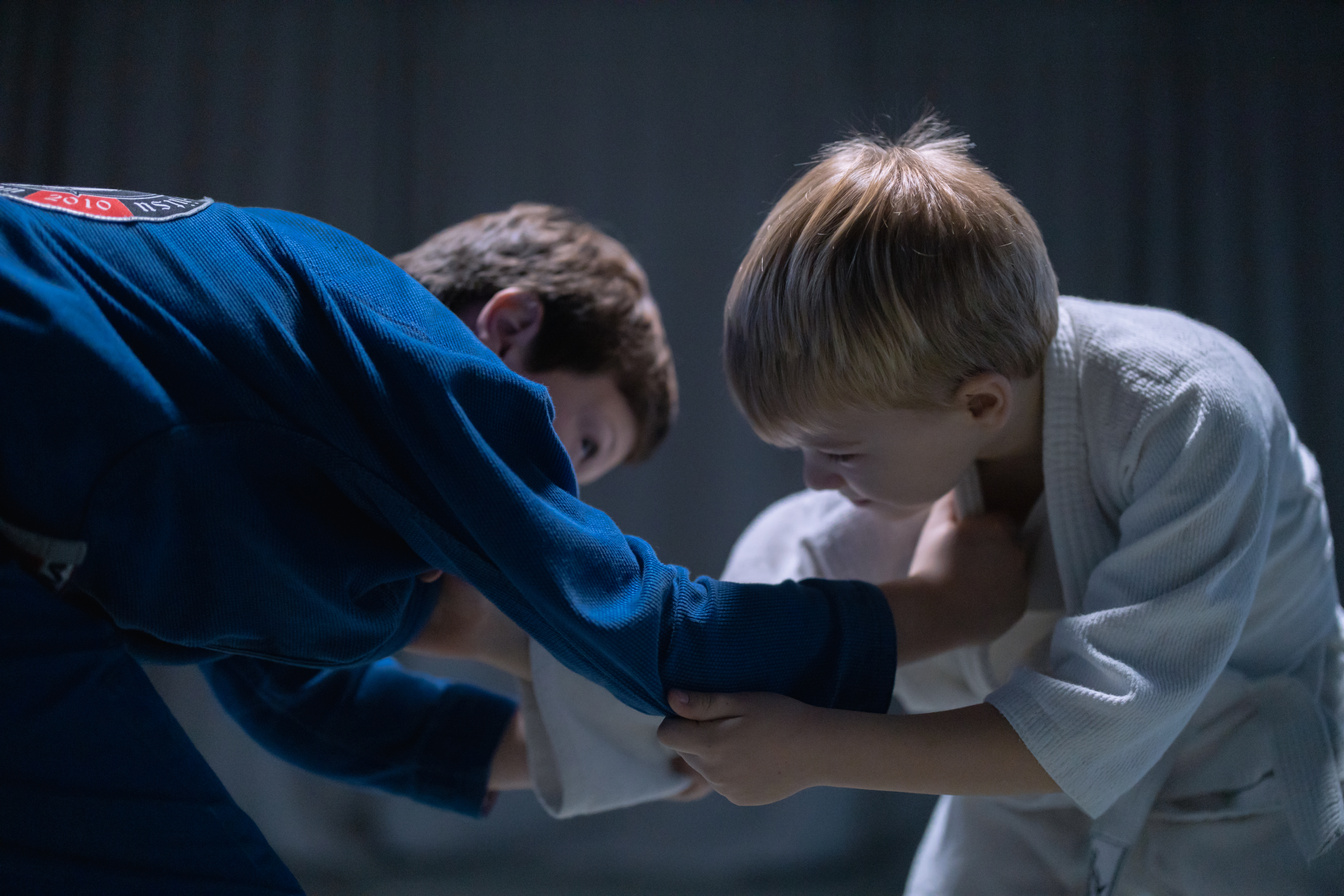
<point x="598" y="314"/>
<point x="885" y="277"/>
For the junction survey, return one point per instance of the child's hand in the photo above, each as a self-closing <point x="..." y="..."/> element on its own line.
<point x="973" y="575"/>
<point x="696" y="785"/>
<point x="464" y="625"/>
<point x="752" y="748"/>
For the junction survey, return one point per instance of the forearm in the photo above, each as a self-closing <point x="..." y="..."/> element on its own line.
<point x="972" y="750"/>
<point x="967" y="584"/>
<point x="921" y="629"/>
<point x="930" y="618"/>
<point x="823" y="642"/>
<point x="376" y="725"/>
<point x="758" y="748"/>
<point x="464" y="625"/>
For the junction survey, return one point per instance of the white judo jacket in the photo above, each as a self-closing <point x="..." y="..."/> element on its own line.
<point x="1184" y="635"/>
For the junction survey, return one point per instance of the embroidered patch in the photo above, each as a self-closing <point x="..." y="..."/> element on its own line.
<point x="106" y="205"/>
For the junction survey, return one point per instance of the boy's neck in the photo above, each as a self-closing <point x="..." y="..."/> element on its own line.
<point x="1011" y="473"/>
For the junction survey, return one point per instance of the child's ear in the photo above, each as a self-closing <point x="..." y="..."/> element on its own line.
<point x="988" y="398"/>
<point x="509" y="323"/>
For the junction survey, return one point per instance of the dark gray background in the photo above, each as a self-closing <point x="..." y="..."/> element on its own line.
<point x="1183" y="155"/>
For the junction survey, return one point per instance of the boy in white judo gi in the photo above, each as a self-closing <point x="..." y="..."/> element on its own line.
<point x="897" y="319"/>
<point x="1166" y="717"/>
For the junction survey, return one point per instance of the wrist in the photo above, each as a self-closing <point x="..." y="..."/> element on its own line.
<point x="821" y="752"/>
<point x="509" y="768"/>
<point x="508" y="648"/>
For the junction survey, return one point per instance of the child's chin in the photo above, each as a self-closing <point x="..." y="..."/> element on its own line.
<point x="891" y="511"/>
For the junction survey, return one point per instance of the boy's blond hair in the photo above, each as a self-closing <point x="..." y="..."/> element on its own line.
<point x="598" y="314"/>
<point x="885" y="277"/>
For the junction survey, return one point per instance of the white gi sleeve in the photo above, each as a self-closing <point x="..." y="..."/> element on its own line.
<point x="588" y="751"/>
<point x="1160" y="613"/>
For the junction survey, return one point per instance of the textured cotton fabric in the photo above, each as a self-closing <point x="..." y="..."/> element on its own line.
<point x="590" y="753"/>
<point x="586" y="751"/>
<point x="1196" y="562"/>
<point x="263" y="430"/>
<point x="259" y="432"/>
<point x="101" y="791"/>
<point x="1182" y="610"/>
<point x="1251" y="654"/>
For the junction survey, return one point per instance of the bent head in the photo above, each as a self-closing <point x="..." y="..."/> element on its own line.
<point x="593" y="417"/>
<point x="884" y="283"/>
<point x="566" y="306"/>
<point x="898" y="461"/>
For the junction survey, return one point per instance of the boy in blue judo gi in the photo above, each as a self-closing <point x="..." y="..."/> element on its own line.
<point x="240" y="437"/>
<point x="568" y="307"/>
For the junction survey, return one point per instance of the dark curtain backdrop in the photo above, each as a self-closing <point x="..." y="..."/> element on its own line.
<point x="1176" y="154"/>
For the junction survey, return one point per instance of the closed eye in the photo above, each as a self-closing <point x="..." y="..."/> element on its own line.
<point x="839" y="458"/>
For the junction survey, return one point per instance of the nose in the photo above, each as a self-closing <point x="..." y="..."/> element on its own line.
<point x="817" y="476"/>
<point x="570" y="439"/>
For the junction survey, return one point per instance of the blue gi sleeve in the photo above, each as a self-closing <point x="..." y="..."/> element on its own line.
<point x="264" y="430"/>
<point x="472" y="476"/>
<point x="376" y="725"/>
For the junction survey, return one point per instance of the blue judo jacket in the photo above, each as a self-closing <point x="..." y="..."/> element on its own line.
<point x="260" y="431"/>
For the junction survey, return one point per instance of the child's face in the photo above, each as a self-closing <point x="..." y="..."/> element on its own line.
<point x="895" y="461"/>
<point x="592" y="418"/>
